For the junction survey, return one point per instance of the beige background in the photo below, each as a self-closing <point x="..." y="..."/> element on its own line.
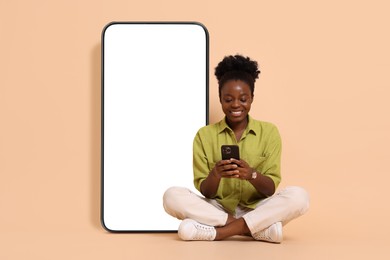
<point x="324" y="82"/>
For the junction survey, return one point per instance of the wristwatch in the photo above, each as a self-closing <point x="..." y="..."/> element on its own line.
<point x="254" y="175"/>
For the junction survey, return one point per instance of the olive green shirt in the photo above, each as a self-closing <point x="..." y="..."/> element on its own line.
<point x="260" y="147"/>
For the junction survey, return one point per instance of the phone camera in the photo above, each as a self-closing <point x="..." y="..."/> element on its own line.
<point x="227" y="150"/>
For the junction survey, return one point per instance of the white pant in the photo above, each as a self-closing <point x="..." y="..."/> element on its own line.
<point x="283" y="206"/>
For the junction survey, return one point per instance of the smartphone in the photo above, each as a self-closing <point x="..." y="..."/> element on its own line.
<point x="230" y="151"/>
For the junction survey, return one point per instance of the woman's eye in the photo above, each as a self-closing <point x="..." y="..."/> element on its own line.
<point x="228" y="100"/>
<point x="243" y="100"/>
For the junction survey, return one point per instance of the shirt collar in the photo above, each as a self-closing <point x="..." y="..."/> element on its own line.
<point x="250" y="128"/>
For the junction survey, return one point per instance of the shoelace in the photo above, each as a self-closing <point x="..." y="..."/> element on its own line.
<point x="203" y="232"/>
<point x="263" y="235"/>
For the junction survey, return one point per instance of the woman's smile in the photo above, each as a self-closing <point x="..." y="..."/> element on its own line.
<point x="236" y="113"/>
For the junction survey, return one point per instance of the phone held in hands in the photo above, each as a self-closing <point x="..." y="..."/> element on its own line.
<point x="230" y="151"/>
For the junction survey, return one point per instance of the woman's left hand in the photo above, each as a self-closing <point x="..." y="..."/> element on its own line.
<point x="245" y="171"/>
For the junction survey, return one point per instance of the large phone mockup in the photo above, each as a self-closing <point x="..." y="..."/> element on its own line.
<point x="154" y="99"/>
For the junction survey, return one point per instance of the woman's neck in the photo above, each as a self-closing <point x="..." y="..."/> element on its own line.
<point x="238" y="128"/>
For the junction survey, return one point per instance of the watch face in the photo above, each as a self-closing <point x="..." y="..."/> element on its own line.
<point x="254" y="175"/>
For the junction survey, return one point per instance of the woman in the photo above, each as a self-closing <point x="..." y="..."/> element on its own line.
<point x="239" y="195"/>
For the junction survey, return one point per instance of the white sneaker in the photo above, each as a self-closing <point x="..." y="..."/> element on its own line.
<point x="271" y="234"/>
<point x="191" y="230"/>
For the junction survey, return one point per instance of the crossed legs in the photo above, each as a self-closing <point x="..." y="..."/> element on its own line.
<point x="284" y="206"/>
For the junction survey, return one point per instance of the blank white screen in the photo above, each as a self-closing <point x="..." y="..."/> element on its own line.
<point x="154" y="101"/>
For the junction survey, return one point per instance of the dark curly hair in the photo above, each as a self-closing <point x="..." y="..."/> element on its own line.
<point x="237" y="67"/>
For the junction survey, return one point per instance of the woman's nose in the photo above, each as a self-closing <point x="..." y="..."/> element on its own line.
<point x="235" y="103"/>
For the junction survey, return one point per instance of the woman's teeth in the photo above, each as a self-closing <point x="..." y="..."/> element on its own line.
<point x="236" y="113"/>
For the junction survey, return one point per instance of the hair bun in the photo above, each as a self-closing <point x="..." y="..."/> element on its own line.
<point x="237" y="63"/>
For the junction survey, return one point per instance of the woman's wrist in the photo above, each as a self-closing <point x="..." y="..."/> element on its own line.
<point x="215" y="174"/>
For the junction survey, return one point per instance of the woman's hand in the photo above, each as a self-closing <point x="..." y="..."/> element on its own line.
<point x="263" y="184"/>
<point x="225" y="169"/>
<point x="244" y="170"/>
<point x="222" y="169"/>
<point x="233" y="168"/>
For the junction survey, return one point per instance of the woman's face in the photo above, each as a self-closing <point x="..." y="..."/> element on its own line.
<point x="236" y="100"/>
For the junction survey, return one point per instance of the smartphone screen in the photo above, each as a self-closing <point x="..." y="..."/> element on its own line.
<point x="230" y="151"/>
<point x="149" y="61"/>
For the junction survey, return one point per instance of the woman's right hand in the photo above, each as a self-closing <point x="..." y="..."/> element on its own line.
<point x="225" y="169"/>
<point x="222" y="169"/>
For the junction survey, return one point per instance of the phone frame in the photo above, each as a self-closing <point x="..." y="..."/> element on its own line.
<point x="102" y="208"/>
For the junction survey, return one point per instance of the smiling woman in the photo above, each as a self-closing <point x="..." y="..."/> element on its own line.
<point x="239" y="195"/>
